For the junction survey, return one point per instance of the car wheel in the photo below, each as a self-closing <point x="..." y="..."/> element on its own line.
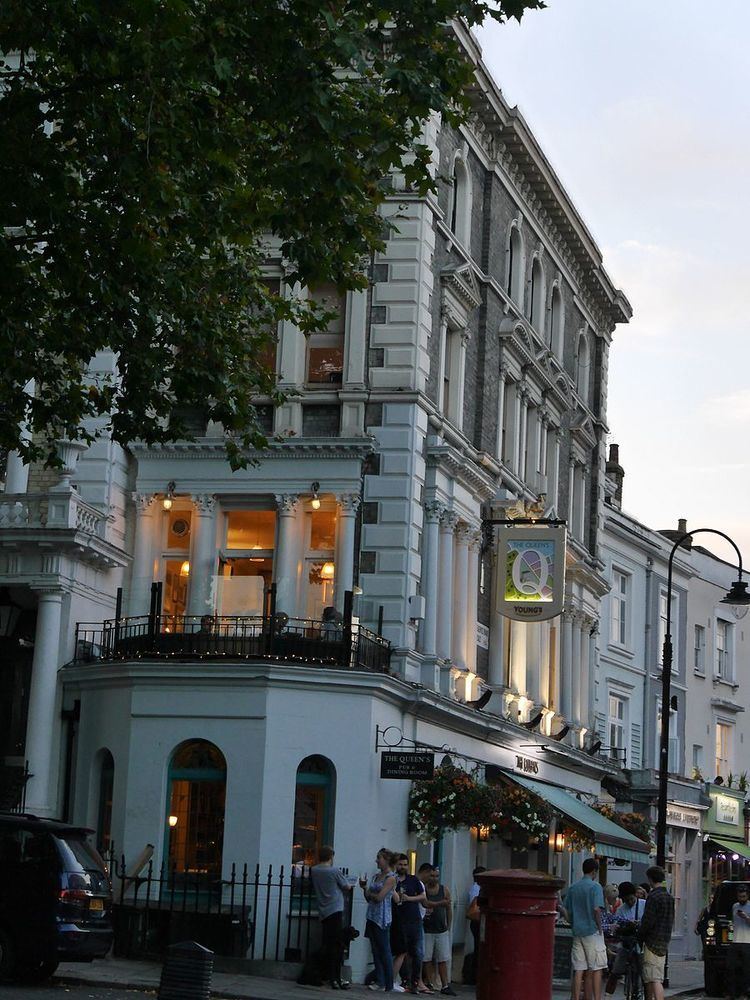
<point x="37" y="972"/>
<point x="714" y="980"/>
<point x="7" y="959"/>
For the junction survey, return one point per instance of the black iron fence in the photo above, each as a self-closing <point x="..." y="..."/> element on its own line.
<point x="255" y="913"/>
<point x="233" y="637"/>
<point x="13" y="781"/>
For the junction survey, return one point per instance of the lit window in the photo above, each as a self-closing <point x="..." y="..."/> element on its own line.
<point x="325" y="350"/>
<point x="246" y="568"/>
<point x="313" y="809"/>
<point x="723" y="749"/>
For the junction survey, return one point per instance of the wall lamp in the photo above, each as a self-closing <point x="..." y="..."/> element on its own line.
<point x="315" y="502"/>
<point x="169" y="495"/>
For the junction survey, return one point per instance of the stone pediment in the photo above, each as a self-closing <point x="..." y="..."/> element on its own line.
<point x="582" y="426"/>
<point x="460" y="294"/>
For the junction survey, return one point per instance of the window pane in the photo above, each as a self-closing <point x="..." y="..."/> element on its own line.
<point x="242" y="584"/>
<point x="323" y="530"/>
<point x="176" y="576"/>
<point x="251" y="529"/>
<point x="325" y="362"/>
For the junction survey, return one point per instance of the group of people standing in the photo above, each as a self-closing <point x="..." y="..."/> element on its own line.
<point x="643" y="924"/>
<point x="408" y="923"/>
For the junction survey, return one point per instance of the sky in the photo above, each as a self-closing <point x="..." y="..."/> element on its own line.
<point x="642" y="108"/>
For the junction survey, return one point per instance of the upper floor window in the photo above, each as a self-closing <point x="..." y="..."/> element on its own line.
<point x="699" y="650"/>
<point x="724" y="637"/>
<point x="556" y="322"/>
<point x="460" y="214"/>
<point x="673" y="759"/>
<point x="723" y="755"/>
<point x="325" y="350"/>
<point x="515" y="269"/>
<point x="618" y="597"/>
<point x="536" y="298"/>
<point x="583" y="367"/>
<point x="663" y="625"/>
<point x="616" y="726"/>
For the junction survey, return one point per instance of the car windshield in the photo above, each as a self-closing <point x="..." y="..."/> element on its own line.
<point x="78" y="854"/>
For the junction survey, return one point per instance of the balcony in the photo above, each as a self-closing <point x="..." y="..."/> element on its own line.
<point x="235" y="637"/>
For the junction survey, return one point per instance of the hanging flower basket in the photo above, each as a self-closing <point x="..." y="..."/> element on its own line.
<point x="633" y="822"/>
<point x="453" y="799"/>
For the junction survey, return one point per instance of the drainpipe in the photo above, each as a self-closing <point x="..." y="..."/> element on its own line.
<point x="647" y="735"/>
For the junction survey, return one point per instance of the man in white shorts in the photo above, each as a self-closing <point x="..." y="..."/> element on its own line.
<point x="437" y="931"/>
<point x="585" y="903"/>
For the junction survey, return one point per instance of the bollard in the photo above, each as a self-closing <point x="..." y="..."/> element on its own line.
<point x="186" y="974"/>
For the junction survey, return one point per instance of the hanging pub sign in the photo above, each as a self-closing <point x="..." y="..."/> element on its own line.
<point x="411" y="765"/>
<point x="531" y="571"/>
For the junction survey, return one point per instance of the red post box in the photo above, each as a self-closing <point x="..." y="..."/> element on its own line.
<point x="517" y="934"/>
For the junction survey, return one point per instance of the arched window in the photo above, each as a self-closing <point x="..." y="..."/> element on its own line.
<point x="195" y="821"/>
<point x="104" y="806"/>
<point x="583" y="367"/>
<point x="514" y="284"/>
<point x="536" y="303"/>
<point x="556" y="322"/>
<point x="460" y="214"/>
<point x="314" y="803"/>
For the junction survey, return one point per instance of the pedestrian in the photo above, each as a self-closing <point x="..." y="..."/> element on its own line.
<point x="739" y="950"/>
<point x="473" y="914"/>
<point x="330" y="885"/>
<point x="655" y="932"/>
<point x="642" y="890"/>
<point x="407" y="932"/>
<point x="378" y="891"/>
<point x="626" y="922"/>
<point x="437" y="931"/>
<point x="585" y="905"/>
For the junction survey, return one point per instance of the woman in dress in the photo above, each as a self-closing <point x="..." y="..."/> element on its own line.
<point x="378" y="891"/>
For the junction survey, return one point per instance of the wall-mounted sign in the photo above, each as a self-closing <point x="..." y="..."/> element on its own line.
<point x="727" y="810"/>
<point x="411" y="765"/>
<point x="531" y="577"/>
<point x="527" y="765"/>
<point x="483" y="636"/>
<point x="683" y="816"/>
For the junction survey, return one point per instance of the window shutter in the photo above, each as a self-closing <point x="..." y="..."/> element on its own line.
<point x="635" y="745"/>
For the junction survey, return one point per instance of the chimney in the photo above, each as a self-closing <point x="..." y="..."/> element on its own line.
<point x="616" y="473"/>
<point x="682" y="529"/>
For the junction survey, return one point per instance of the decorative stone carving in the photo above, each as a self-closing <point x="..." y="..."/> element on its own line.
<point x="349" y="502"/>
<point x="286" y="503"/>
<point x="434" y="510"/>
<point x="204" y="503"/>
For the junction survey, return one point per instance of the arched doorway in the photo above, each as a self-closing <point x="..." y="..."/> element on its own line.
<point x="195" y="817"/>
<point x="314" y="802"/>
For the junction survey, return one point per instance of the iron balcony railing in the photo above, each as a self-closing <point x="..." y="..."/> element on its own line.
<point x="233" y="637"/>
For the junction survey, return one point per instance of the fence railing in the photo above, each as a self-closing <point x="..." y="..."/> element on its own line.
<point x="238" y="637"/>
<point x="13" y="781"/>
<point x="254" y="913"/>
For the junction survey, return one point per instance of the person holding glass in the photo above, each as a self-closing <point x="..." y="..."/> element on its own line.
<point x="378" y="891"/>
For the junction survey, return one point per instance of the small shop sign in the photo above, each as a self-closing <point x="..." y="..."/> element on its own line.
<point x="727" y="810"/>
<point x="683" y="816"/>
<point x="411" y="765"/>
<point x="532" y="578"/>
<point x="527" y="765"/>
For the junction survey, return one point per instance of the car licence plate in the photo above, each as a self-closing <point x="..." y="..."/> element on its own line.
<point x="96" y="905"/>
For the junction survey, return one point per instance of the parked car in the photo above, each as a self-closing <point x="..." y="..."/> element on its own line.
<point x="717" y="937"/>
<point x="55" y="897"/>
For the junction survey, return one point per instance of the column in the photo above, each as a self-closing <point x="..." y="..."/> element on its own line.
<point x="203" y="559"/>
<point x="460" y="602"/>
<point x="553" y="465"/>
<point x="347" y="506"/>
<point x="523" y="430"/>
<point x="518" y="633"/>
<point x="496" y="651"/>
<point x="515" y="464"/>
<point x="534" y="661"/>
<point x="142" y="571"/>
<point x="461" y="378"/>
<point x="445" y="585"/>
<point x="42" y="729"/>
<point x="502" y="376"/>
<point x="16" y="472"/>
<point x="475" y="543"/>
<point x="433" y="511"/>
<point x="571" y="496"/>
<point x="577" y="666"/>
<point x="287" y="557"/>
<point x="581" y="501"/>
<point x="566" y="667"/>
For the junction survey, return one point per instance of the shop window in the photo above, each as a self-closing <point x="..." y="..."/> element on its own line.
<point x="106" y="789"/>
<point x="195" y="820"/>
<point x="325" y="350"/>
<point x="314" y="803"/>
<point x="246" y="563"/>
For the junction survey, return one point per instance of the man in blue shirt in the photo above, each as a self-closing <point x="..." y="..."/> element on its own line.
<point x="585" y="904"/>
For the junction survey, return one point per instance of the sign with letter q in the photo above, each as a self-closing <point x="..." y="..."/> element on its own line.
<point x="531" y="571"/>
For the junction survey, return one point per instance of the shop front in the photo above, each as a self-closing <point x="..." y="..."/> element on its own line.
<point x="726" y="854"/>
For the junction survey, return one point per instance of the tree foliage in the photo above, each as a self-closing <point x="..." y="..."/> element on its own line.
<point x="149" y="149"/>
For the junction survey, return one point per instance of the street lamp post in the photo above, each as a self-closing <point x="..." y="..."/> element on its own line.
<point x="737" y="595"/>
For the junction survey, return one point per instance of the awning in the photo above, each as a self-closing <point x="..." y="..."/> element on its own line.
<point x="610" y="840"/>
<point x="732" y="847"/>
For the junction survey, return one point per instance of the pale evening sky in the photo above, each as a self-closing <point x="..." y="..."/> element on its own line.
<point x="642" y="108"/>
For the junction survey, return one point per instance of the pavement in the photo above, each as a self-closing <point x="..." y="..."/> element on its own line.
<point x="686" y="979"/>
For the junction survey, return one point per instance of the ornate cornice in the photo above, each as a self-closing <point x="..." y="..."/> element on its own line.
<point x="213" y="448"/>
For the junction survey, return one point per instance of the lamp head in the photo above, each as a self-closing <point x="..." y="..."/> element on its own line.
<point x="315" y="502"/>
<point x="737" y="594"/>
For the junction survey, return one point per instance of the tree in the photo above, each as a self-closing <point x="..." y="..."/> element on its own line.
<point x="150" y="147"/>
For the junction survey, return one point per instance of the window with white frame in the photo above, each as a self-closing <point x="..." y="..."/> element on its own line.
<point x="617" y="722"/>
<point x="619" y="615"/>
<point x="699" y="649"/>
<point x="663" y="625"/>
<point x="536" y="297"/>
<point x="673" y="758"/>
<point x="515" y="269"/>
<point x="556" y="322"/>
<point x="460" y="214"/>
<point x="723" y="754"/>
<point x="325" y="349"/>
<point x="724" y="643"/>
